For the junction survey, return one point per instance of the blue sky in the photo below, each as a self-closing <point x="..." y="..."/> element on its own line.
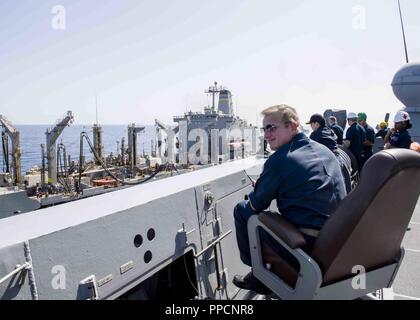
<point x="154" y="59"/>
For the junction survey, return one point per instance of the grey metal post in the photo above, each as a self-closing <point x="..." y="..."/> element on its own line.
<point x="43" y="165"/>
<point x="97" y="142"/>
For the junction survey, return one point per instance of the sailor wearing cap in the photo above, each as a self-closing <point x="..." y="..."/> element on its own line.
<point x="326" y="136"/>
<point x="398" y="137"/>
<point x="321" y="133"/>
<point x="355" y="136"/>
<point x="383" y="130"/>
<point x="370" y="136"/>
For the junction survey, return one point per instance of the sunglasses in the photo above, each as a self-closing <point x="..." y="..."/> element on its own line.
<point x="269" y="128"/>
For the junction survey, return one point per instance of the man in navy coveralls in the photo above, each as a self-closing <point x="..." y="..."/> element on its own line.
<point x="304" y="178"/>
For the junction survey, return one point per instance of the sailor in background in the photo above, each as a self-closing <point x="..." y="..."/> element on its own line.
<point x="337" y="129"/>
<point x="355" y="136"/>
<point x="398" y="137"/>
<point x="370" y="137"/>
<point x="321" y="133"/>
<point x="326" y="136"/>
<point x="303" y="177"/>
<point x="383" y="130"/>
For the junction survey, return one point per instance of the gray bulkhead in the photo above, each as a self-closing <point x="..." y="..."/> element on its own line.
<point x="119" y="248"/>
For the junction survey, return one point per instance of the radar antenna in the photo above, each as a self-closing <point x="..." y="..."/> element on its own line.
<point x="213" y="90"/>
<point x="403" y="32"/>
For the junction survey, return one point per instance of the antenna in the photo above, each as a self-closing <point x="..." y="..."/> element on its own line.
<point x="402" y="28"/>
<point x="213" y="90"/>
<point x="96" y="99"/>
<point x="256" y="117"/>
<point x="186" y="103"/>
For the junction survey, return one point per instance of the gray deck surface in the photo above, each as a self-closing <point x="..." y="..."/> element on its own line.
<point x="407" y="283"/>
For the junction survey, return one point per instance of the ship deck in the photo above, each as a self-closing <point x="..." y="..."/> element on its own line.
<point x="407" y="283"/>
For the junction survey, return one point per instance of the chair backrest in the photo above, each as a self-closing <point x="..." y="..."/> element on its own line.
<point x="368" y="226"/>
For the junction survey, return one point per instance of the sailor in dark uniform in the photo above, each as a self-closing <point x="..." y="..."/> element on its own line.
<point x="398" y="137"/>
<point x="383" y="130"/>
<point x="324" y="135"/>
<point x="370" y="137"/>
<point x="321" y="133"/>
<point x="355" y="136"/>
<point x="339" y="132"/>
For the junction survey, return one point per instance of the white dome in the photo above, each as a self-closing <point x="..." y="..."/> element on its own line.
<point x="406" y="85"/>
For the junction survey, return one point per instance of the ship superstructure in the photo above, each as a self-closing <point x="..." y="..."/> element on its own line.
<point x="219" y="124"/>
<point x="60" y="179"/>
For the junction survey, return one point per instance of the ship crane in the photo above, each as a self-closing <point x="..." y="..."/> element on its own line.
<point x="13" y="134"/>
<point x="52" y="136"/>
<point x="132" y="144"/>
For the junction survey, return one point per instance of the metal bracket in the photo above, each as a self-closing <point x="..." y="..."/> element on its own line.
<point x="208" y="199"/>
<point x="182" y="235"/>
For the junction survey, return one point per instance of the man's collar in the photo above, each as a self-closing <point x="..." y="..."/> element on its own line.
<point x="286" y="146"/>
<point x="298" y="135"/>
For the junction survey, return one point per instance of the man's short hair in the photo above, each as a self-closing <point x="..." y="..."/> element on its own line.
<point x="287" y="114"/>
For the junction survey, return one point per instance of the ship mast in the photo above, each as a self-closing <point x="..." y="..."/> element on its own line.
<point x="97" y="136"/>
<point x="213" y="90"/>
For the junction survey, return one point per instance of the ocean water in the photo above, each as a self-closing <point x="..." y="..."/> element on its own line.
<point x="32" y="136"/>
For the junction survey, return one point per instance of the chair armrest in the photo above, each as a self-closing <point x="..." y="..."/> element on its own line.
<point x="282" y="229"/>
